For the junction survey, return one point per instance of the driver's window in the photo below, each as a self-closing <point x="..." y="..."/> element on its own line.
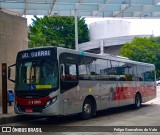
<point x="69" y="73"/>
<point x="73" y="71"/>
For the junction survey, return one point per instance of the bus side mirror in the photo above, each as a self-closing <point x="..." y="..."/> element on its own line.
<point x="9" y="73"/>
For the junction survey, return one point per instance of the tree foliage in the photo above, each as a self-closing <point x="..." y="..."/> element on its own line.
<point x="143" y="50"/>
<point x="57" y="31"/>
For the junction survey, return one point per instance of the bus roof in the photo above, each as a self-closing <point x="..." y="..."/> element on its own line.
<point x="103" y="56"/>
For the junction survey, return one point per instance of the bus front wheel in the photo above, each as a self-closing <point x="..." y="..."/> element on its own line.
<point x="138" y="101"/>
<point x="87" y="111"/>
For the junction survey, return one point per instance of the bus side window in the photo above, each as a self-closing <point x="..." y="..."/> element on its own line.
<point x="69" y="72"/>
<point x="140" y="72"/>
<point x="149" y="74"/>
<point x="69" y="76"/>
<point x="72" y="72"/>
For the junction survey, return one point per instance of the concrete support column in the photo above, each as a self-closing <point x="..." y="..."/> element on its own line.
<point x="101" y="46"/>
<point x="13" y="38"/>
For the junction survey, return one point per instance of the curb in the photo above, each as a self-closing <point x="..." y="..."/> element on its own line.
<point x="17" y="118"/>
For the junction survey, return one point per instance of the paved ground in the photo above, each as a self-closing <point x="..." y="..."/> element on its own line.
<point x="10" y="109"/>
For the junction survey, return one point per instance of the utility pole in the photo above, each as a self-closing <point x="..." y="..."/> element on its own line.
<point x="76" y="30"/>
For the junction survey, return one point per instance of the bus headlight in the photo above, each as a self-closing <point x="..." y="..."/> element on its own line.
<point x="51" y="101"/>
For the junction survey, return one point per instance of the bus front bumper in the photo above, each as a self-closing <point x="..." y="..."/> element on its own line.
<point x="52" y="110"/>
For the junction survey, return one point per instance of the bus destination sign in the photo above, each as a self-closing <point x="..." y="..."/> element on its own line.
<point x="35" y="54"/>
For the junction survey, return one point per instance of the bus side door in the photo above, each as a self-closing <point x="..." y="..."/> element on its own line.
<point x="69" y="81"/>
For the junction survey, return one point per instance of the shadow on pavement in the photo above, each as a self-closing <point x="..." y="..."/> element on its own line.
<point x="57" y="121"/>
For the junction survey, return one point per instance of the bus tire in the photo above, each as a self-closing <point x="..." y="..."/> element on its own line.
<point x="138" y="101"/>
<point x="87" y="110"/>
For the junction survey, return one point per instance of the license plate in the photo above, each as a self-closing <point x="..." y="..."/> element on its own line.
<point x="28" y="110"/>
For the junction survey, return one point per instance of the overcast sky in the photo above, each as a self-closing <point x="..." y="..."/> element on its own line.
<point x="138" y="26"/>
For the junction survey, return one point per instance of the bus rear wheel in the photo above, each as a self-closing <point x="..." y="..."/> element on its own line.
<point x="87" y="110"/>
<point x="138" y="101"/>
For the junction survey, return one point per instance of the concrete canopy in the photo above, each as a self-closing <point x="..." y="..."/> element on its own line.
<point x="101" y="8"/>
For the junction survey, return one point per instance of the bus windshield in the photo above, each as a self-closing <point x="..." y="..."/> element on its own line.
<point x="37" y="75"/>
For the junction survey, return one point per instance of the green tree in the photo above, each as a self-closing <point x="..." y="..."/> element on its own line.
<point x="57" y="31"/>
<point x="143" y="50"/>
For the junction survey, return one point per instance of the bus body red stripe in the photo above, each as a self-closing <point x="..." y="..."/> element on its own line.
<point x="32" y="102"/>
<point x="123" y="93"/>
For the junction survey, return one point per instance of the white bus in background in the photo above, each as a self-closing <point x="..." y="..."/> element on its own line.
<point x="57" y="81"/>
